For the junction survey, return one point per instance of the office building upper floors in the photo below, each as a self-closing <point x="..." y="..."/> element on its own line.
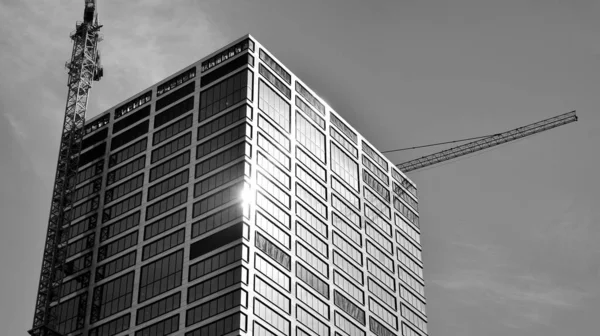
<point x="161" y="170"/>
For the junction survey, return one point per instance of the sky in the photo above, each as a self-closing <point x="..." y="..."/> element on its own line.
<point x="510" y="236"/>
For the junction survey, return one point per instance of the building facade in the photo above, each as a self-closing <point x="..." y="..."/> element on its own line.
<point x="229" y="199"/>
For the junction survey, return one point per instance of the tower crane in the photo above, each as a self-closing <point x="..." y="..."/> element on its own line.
<point x="485" y="142"/>
<point x="83" y="68"/>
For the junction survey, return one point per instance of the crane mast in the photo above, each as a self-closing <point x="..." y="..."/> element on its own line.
<point x="83" y="68"/>
<point x="487" y="142"/>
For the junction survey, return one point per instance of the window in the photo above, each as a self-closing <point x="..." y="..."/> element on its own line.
<point x="260" y="330"/>
<point x="312" y="220"/>
<point x="274" y="296"/>
<point x="378" y="187"/>
<point x="347" y="248"/>
<point x="384" y="314"/>
<point x="278" y="84"/>
<point x="227" y="54"/>
<point x="408" y="331"/>
<point x="375" y="170"/>
<point x="162" y="328"/>
<point x="93" y="139"/>
<point x="271" y="250"/>
<point x="117" y="246"/>
<point x="349" y="307"/>
<point x="124" y="188"/>
<point x="350" y="214"/>
<point x="222" y="326"/>
<point x="346" y="229"/>
<point x="75" y="284"/>
<point x="311" y="239"/>
<point x="171" y="147"/>
<point x="377" y="203"/>
<point x="131" y="119"/>
<point x="209" y="128"/>
<point x="216" y="306"/>
<point x="343" y="142"/>
<point x="94" y="125"/>
<point x="127" y="152"/>
<point x="311" y="259"/>
<point x="67" y="311"/>
<point x="174" y="111"/>
<point x="311" y="200"/>
<point x="129" y="135"/>
<point x="273" y="151"/>
<point x="92" y="154"/>
<point x="411" y="281"/>
<point x="126" y="170"/>
<point x="176" y="81"/>
<point x="112" y="327"/>
<point x="115" y="266"/>
<point x="273" y="132"/>
<point x="310" y="112"/>
<point x="410" y="264"/>
<point x="82" y="209"/>
<point x="223" y="139"/>
<point x="226" y="93"/>
<point x="381" y="275"/>
<point x="405" y="183"/>
<point x="218" y="261"/>
<point x="378" y="220"/>
<point x="80" y="245"/>
<point x="373" y="155"/>
<point x="311" y="182"/>
<point x="310" y="137"/>
<point x="413" y="318"/>
<point x="83" y="226"/>
<point x="226" y="69"/>
<point x="348" y="287"/>
<point x="164" y="224"/>
<point x="133" y="104"/>
<point x="310" y="98"/>
<point x="273" y="170"/>
<point x="217" y="240"/>
<point x="379" y="329"/>
<point x="270" y="228"/>
<point x="408" y="229"/>
<point x="223" y="158"/>
<point x="218" y="199"/>
<point x="217" y="220"/>
<point x="160" y="276"/>
<point x="122" y="207"/>
<point x="86" y="190"/>
<point x="343" y="127"/>
<point x="172" y="130"/>
<point x="163" y="244"/>
<point x="379" y="238"/>
<point x="312" y="280"/>
<point x="87" y="173"/>
<point x="408" y="245"/>
<point x="346" y="326"/>
<point x="173" y="97"/>
<point x="406" y="212"/>
<point x="170" y="166"/>
<point x="344" y="166"/>
<point x="271" y="272"/>
<point x="269" y="207"/>
<point x="345" y="193"/>
<point x="158" y="308"/>
<point x="273" y="190"/>
<point x="217" y="284"/>
<point x="347" y="267"/>
<point x="404" y="195"/>
<point x="274" y="106"/>
<point x="412" y="300"/>
<point x="311" y="322"/>
<point x="112" y="297"/>
<point x="166" y="204"/>
<point x="120" y="226"/>
<point x="279" y="70"/>
<point x="271" y="317"/>
<point x="166" y="185"/>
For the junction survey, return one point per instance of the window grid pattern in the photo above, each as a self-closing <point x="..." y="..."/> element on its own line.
<point x="381" y="223"/>
<point x="275" y="191"/>
<point x="413" y="283"/>
<point x="271" y="272"/>
<point x="346" y="229"/>
<point x="384" y="314"/>
<point x="375" y="156"/>
<point x="412" y="300"/>
<point x="343" y="127"/>
<point x="273" y="151"/>
<point x="311" y="200"/>
<point x="310" y="112"/>
<point x="275" y="81"/>
<point x="312" y="220"/>
<point x="343" y="142"/>
<point x="269" y="207"/>
<point x="270" y="316"/>
<point x="311" y="182"/>
<point x="311" y="259"/>
<point x="311" y="322"/>
<point x="344" y="166"/>
<point x="347" y="286"/>
<point x="312" y="165"/>
<point x="346" y="326"/>
<point x="310" y="137"/>
<point x="409" y="246"/>
<point x="406" y="212"/>
<point x="272" y="229"/>
<point x="347" y="267"/>
<point x="404" y="195"/>
<point x="379" y="239"/>
<point x="345" y="192"/>
<point x="409" y="263"/>
<point x="312" y="301"/>
<point x="273" y="132"/>
<point x="408" y="229"/>
<point x="275" y="107"/>
<point x="272" y="295"/>
<point x="345" y="210"/>
<point x="312" y="240"/>
<point x="381" y="293"/>
<point x="226" y="93"/>
<point x="381" y="275"/>
<point x="413" y="318"/>
<point x="376" y="171"/>
<point x="377" y="203"/>
<point x="347" y="248"/>
<point x="273" y="170"/>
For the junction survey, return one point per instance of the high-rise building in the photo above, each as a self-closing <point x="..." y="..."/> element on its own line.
<point x="229" y="199"/>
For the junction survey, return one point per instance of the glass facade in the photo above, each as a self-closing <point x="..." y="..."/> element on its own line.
<point x="232" y="200"/>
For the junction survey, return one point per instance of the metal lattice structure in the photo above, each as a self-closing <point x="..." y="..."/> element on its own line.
<point x="487" y="142"/>
<point x="83" y="69"/>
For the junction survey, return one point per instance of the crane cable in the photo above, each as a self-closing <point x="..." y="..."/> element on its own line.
<point x="440" y="143"/>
